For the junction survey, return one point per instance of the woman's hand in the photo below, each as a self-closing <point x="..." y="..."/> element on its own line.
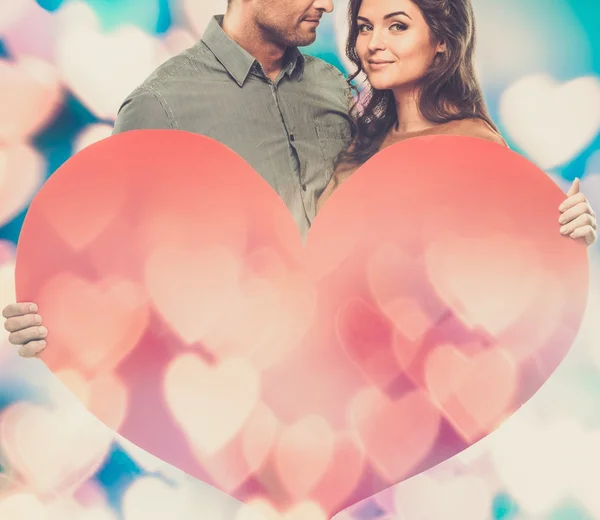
<point x="578" y="219"/>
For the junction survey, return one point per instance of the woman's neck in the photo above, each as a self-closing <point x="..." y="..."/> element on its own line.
<point x="410" y="119"/>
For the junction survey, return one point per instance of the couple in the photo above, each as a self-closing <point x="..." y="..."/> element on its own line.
<point x="292" y="117"/>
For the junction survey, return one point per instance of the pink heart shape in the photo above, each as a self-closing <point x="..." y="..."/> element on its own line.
<point x="50" y="449"/>
<point x="30" y="93"/>
<point x="21" y="174"/>
<point x="336" y="367"/>
<point x="82" y="331"/>
<point x="474" y="392"/>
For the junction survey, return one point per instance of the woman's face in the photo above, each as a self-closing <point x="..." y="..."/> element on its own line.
<point x="394" y="43"/>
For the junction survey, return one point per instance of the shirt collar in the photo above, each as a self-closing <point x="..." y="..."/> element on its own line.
<point x="294" y="61"/>
<point x="237" y="61"/>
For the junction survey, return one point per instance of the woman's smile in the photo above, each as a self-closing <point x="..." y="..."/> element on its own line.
<point x="377" y="64"/>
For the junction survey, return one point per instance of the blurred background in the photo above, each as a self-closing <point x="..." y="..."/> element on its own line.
<point x="65" y="67"/>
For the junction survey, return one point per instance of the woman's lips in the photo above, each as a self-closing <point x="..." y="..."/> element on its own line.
<point x="378" y="64"/>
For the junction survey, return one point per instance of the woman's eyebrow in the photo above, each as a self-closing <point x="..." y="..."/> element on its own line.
<point x="390" y="15"/>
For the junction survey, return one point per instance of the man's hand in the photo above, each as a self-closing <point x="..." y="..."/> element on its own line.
<point x="25" y="327"/>
<point x="578" y="219"/>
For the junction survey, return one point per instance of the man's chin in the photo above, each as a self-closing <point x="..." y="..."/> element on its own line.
<point x="306" y="39"/>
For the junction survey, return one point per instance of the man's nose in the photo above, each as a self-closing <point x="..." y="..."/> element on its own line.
<point x="324" y="5"/>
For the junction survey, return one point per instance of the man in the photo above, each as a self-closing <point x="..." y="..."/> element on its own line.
<point x="246" y="84"/>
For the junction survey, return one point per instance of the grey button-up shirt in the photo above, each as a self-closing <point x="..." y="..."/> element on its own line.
<point x="289" y="130"/>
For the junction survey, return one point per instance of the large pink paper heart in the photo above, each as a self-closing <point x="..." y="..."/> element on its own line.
<point x="434" y="296"/>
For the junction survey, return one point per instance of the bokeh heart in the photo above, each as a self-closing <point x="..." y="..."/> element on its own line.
<point x="126" y="54"/>
<point x="30" y="95"/>
<point x="433" y="297"/>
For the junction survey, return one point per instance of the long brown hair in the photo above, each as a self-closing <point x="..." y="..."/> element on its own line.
<point x="448" y="91"/>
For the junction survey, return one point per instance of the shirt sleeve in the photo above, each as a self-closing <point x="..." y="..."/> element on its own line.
<point x="351" y="99"/>
<point x="142" y="111"/>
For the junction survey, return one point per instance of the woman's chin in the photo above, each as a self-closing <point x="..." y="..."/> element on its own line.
<point x="380" y="83"/>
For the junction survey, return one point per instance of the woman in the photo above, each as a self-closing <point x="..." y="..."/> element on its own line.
<point x="418" y="56"/>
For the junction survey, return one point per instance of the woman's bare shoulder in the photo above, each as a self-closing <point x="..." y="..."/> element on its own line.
<point x="475" y="127"/>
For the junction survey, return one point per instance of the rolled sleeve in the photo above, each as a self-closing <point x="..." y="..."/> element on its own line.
<point x="142" y="110"/>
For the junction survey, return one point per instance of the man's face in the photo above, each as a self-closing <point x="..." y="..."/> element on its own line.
<point x="290" y="22"/>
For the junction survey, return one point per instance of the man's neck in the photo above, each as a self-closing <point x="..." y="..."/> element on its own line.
<point x="252" y="39"/>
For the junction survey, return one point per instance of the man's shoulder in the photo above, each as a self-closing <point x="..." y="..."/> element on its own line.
<point x="188" y="65"/>
<point x="151" y="103"/>
<point x="321" y="70"/>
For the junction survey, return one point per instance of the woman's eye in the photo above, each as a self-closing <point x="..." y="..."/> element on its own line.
<point x="398" y="27"/>
<point x="363" y="28"/>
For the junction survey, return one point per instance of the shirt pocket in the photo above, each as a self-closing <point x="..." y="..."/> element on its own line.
<point x="333" y="139"/>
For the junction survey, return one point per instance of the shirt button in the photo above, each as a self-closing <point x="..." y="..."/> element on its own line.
<point x="304" y="187"/>
<point x="292" y="137"/>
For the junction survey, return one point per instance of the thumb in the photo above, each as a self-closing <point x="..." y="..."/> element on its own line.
<point x="575" y="187"/>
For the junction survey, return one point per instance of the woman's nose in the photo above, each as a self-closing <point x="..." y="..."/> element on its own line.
<point x="377" y="41"/>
